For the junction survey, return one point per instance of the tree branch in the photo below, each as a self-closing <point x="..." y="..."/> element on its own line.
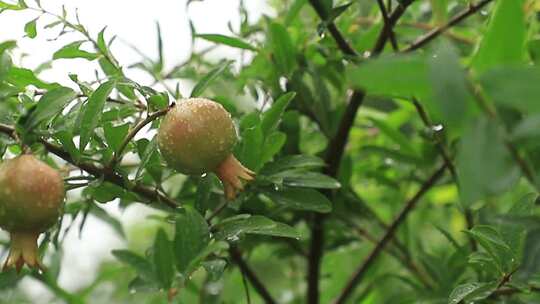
<point x="400" y="254"/>
<point x="392" y="34"/>
<point x="108" y="175"/>
<point x="343" y="45"/>
<point x="389" y="234"/>
<point x="337" y="145"/>
<point x="236" y="256"/>
<point x="423" y="40"/>
<point x="387" y="29"/>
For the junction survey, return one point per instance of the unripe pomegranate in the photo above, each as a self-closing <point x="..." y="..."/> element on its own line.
<point x="31" y="196"/>
<point x="197" y="136"/>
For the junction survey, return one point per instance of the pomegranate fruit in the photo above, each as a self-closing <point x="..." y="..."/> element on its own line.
<point x="31" y="197"/>
<point x="197" y="136"/>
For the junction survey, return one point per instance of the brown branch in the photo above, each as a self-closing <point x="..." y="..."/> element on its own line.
<point x="334" y="154"/>
<point x="109" y="175"/>
<point x="236" y="256"/>
<point x="343" y="45"/>
<point x="469" y="219"/>
<point x="387" y="29"/>
<point x="389" y="234"/>
<point x="337" y="145"/>
<point x="421" y="26"/>
<point x="392" y="34"/>
<point x="423" y="40"/>
<point x="402" y="257"/>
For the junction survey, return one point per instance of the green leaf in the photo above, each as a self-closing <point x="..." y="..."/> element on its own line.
<point x="484" y="165"/>
<point x="379" y="77"/>
<point x="293" y="162"/>
<point x="504" y="41"/>
<point x="102" y="45"/>
<point x="192" y="236"/>
<point x="30" y="28"/>
<point x="7" y="6"/>
<point x="271" y="118"/>
<point x="208" y="78"/>
<point x="140" y="264"/>
<point x="163" y="259"/>
<point x="272" y="145"/>
<point x="215" y="269"/>
<point x="93" y="111"/>
<point x="451" y="103"/>
<point x="66" y="139"/>
<point x="212" y="247"/>
<point x="114" y="135"/>
<point x="337" y="11"/>
<point x="301" y="199"/>
<point x="5" y="65"/>
<point x="471" y="292"/>
<point x="24" y="77"/>
<point x="252" y="144"/>
<point x="256" y="224"/>
<point x="492" y="241"/>
<point x="306" y="180"/>
<point x="103" y="215"/>
<point x="73" y="50"/>
<point x="282" y="48"/>
<point x="7" y="45"/>
<point x="149" y="151"/>
<point x="511" y="87"/>
<point x="227" y="40"/>
<point x="49" y="105"/>
<point x="294" y="10"/>
<point x="514" y="233"/>
<point x="395" y="135"/>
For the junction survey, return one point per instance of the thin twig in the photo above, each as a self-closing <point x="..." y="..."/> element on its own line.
<point x="111" y="176"/>
<point x="387" y="29"/>
<point x="236" y="256"/>
<point x="392" y="34"/>
<point x="150" y="118"/>
<point x="423" y="40"/>
<point x="389" y="234"/>
<point x="422" y="26"/>
<point x="402" y="257"/>
<point x="343" y="45"/>
<point x="483" y="103"/>
<point x="469" y="219"/>
<point x="246" y="287"/>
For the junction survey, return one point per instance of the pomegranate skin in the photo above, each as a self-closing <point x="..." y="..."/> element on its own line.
<point x="196" y="136"/>
<point x="31" y="198"/>
<point x="31" y="195"/>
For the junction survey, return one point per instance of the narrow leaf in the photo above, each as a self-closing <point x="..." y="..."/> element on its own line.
<point x="93" y="111"/>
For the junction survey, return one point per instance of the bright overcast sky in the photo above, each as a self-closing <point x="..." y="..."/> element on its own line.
<point x="132" y="21"/>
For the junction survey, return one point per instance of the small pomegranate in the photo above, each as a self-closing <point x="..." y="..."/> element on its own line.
<point x="197" y="136"/>
<point x="31" y="196"/>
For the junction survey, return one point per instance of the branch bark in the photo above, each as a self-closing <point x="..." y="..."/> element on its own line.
<point x="423" y="40"/>
<point x="389" y="234"/>
<point x="236" y="256"/>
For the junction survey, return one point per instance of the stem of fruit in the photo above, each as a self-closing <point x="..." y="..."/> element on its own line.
<point x="117" y="157"/>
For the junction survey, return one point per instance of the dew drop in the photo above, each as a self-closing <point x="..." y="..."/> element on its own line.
<point x="437" y="128"/>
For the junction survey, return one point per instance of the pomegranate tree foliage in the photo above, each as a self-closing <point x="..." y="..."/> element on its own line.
<point x="395" y="145"/>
